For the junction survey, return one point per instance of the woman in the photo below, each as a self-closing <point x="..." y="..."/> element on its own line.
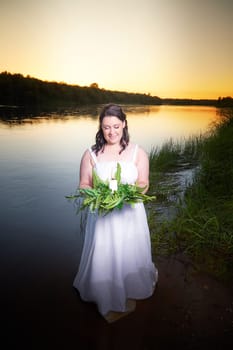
<point x="116" y="266"/>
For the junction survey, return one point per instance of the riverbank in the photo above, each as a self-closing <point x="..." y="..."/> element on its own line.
<point x="188" y="310"/>
<point x="199" y="216"/>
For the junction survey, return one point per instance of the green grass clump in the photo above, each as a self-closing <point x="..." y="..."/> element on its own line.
<point x="203" y="225"/>
<point x="165" y="158"/>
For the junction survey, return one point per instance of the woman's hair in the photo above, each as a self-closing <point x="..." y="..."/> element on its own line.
<point x="108" y="111"/>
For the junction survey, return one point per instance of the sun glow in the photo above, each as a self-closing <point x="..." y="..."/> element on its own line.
<point x="165" y="48"/>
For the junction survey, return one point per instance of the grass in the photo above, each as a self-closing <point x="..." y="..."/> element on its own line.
<point x="203" y="224"/>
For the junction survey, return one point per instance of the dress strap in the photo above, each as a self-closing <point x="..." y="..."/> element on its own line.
<point x="135" y="153"/>
<point x="93" y="156"/>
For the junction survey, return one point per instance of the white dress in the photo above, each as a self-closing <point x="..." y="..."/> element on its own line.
<point x="116" y="262"/>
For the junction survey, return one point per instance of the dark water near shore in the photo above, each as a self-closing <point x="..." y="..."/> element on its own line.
<point x="39" y="165"/>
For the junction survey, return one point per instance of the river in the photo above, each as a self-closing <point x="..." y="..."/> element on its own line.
<point x="39" y="161"/>
<point x="40" y="242"/>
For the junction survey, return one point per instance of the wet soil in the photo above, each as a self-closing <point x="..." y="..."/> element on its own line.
<point x="188" y="310"/>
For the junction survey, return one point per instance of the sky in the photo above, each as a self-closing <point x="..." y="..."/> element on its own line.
<point x="166" y="48"/>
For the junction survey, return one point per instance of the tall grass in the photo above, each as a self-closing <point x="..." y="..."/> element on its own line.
<point x="169" y="159"/>
<point x="172" y="154"/>
<point x="203" y="226"/>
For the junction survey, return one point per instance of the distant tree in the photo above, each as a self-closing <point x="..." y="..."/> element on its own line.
<point x="94" y="85"/>
<point x="225" y="101"/>
<point x="17" y="90"/>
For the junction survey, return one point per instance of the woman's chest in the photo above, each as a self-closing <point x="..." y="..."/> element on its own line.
<point x="107" y="170"/>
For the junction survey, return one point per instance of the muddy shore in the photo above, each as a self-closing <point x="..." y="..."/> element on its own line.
<point x="189" y="310"/>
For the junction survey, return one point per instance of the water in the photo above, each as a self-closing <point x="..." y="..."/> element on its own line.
<point x="40" y="156"/>
<point x="39" y="165"/>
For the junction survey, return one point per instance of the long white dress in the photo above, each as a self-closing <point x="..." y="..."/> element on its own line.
<point x="116" y="263"/>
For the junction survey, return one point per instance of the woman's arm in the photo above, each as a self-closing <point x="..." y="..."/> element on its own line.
<point x="85" y="177"/>
<point x="142" y="163"/>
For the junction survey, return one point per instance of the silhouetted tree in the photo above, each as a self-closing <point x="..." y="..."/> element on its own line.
<point x="15" y="89"/>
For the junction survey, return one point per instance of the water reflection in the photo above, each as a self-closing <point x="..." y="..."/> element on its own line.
<point x="39" y="165"/>
<point x="11" y="114"/>
<point x="60" y="139"/>
<point x="155" y="123"/>
<point x="40" y="158"/>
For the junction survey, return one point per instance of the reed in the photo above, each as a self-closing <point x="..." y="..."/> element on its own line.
<point x="172" y="155"/>
<point x="203" y="224"/>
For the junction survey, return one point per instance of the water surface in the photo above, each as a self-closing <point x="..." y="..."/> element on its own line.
<point x="40" y="156"/>
<point x="39" y="165"/>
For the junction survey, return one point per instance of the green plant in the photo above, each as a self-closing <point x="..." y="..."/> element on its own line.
<point x="103" y="199"/>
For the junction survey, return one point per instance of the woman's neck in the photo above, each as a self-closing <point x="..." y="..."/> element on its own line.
<point x="115" y="148"/>
<point x="112" y="153"/>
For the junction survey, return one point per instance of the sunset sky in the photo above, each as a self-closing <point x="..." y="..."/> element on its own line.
<point x="168" y="48"/>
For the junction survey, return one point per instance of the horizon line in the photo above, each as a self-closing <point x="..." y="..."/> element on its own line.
<point x="102" y="88"/>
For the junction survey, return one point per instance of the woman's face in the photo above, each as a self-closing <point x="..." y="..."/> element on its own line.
<point x="112" y="128"/>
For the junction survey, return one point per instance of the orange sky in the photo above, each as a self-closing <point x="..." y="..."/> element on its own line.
<point x="168" y="48"/>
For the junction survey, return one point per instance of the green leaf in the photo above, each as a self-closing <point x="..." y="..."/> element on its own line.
<point x="101" y="198"/>
<point x="118" y="174"/>
<point x="96" y="179"/>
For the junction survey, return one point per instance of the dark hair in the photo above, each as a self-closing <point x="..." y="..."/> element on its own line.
<point x="108" y="111"/>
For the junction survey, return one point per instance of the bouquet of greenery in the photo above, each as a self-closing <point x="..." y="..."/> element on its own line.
<point x="108" y="195"/>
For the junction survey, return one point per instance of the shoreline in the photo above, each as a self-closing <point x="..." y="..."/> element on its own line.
<point x="188" y="309"/>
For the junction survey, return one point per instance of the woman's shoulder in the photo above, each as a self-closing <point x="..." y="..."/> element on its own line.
<point x="86" y="153"/>
<point x="133" y="146"/>
<point x="89" y="156"/>
<point x="138" y="153"/>
<point x="141" y="155"/>
<point x="138" y="148"/>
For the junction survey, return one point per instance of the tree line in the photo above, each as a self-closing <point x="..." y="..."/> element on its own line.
<point x="17" y="90"/>
<point x="20" y="91"/>
<point x="221" y="102"/>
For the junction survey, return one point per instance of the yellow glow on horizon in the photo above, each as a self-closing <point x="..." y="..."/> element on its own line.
<point x="165" y="48"/>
